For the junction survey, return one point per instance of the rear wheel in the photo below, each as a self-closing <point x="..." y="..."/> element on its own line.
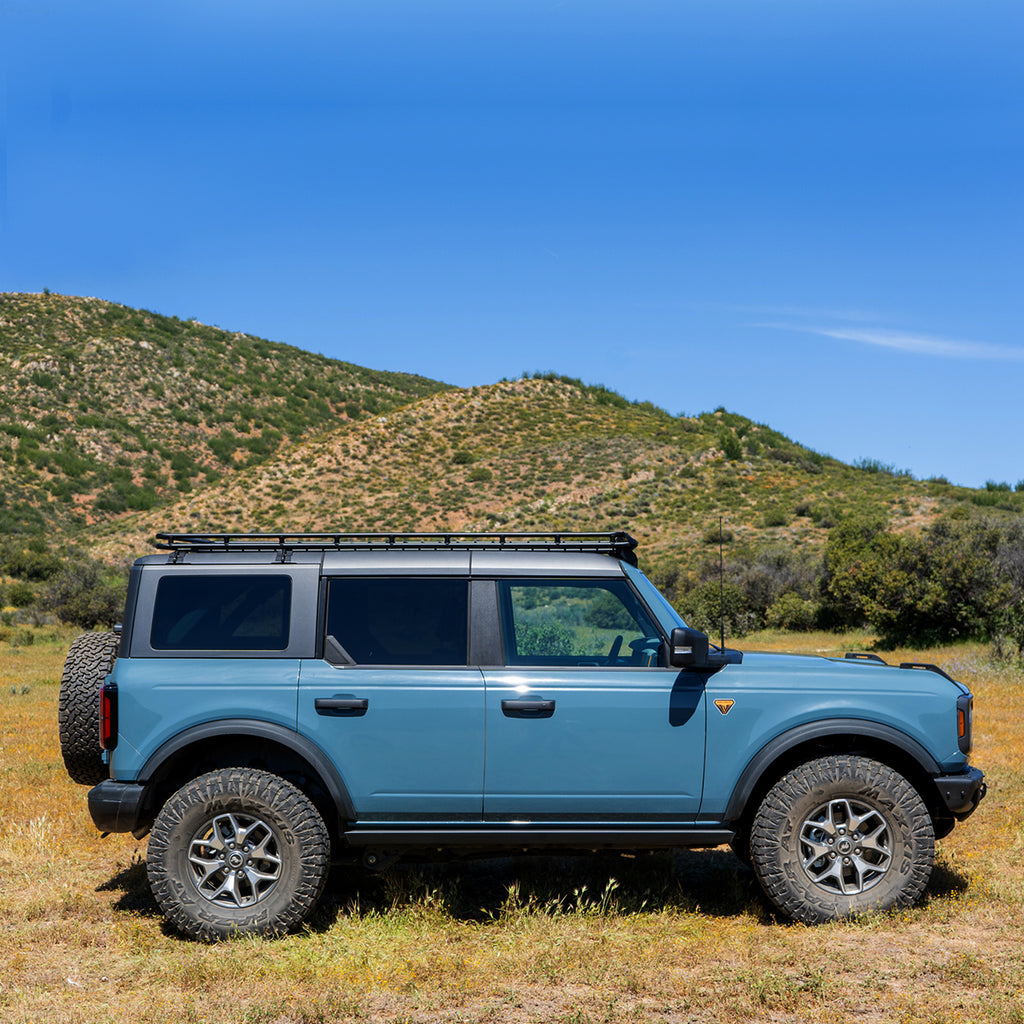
<point x="90" y="660"/>
<point x="840" y="836"/>
<point x="237" y="852"/>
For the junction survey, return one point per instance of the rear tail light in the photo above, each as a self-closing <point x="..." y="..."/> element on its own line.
<point x="108" y="716"/>
<point x="964" y="725"/>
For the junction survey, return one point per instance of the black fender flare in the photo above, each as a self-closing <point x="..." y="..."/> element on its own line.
<point x="822" y="729"/>
<point x="259" y="729"/>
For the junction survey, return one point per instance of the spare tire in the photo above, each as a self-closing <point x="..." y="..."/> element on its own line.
<point x="89" y="661"/>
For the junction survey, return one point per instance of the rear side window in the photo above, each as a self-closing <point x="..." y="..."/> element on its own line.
<point x="222" y="613"/>
<point x="397" y="621"/>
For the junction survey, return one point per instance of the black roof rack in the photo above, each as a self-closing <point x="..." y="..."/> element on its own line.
<point x="619" y="544"/>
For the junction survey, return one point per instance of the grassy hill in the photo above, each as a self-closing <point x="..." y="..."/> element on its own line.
<point x="116" y="423"/>
<point x="106" y="409"/>
<point x="550" y="453"/>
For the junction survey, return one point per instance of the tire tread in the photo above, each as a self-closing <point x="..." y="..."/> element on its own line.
<point x="275" y="796"/>
<point x="89" y="660"/>
<point x="782" y="879"/>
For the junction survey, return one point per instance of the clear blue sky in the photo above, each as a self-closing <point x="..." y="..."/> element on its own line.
<point x="808" y="212"/>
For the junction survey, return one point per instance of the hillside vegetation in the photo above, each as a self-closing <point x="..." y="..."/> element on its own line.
<point x="105" y="409"/>
<point x="118" y="423"/>
<point x="546" y="454"/>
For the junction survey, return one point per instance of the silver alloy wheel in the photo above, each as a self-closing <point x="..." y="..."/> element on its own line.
<point x="845" y="846"/>
<point x="235" y="860"/>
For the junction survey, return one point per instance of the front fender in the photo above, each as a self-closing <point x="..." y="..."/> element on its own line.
<point x="814" y="731"/>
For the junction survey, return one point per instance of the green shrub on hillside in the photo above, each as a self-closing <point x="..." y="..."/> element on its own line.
<point x="86" y="594"/>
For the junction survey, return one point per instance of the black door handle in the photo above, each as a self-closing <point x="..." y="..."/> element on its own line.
<point x="527" y="708"/>
<point x="341" y="707"/>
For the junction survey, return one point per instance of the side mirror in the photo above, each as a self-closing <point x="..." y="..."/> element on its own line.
<point x="688" y="648"/>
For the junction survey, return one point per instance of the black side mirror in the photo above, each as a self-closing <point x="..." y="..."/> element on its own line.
<point x="688" y="648"/>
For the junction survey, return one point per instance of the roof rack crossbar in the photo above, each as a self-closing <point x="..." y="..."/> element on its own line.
<point x="618" y="543"/>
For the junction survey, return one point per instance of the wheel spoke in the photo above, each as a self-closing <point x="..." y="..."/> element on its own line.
<point x="876" y="840"/>
<point x="832" y="872"/>
<point x="207" y="868"/>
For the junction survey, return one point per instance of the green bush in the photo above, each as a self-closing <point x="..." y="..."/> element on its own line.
<point x="939" y="585"/>
<point x="713" y="534"/>
<point x="29" y="559"/>
<point x="792" y="612"/>
<point x="731" y="446"/>
<point x="86" y="595"/>
<point x="20" y="594"/>
<point x="775" y="517"/>
<point x="704" y="605"/>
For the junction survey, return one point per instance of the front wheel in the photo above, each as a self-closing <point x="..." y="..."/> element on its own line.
<point x="840" y="836"/>
<point x="237" y="852"/>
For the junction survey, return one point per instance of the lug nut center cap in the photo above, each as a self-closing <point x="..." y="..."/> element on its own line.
<point x="236" y="860"/>
<point x="844" y="846"/>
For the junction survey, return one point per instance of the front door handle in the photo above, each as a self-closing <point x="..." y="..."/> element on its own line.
<point x="341" y="707"/>
<point x="527" y="708"/>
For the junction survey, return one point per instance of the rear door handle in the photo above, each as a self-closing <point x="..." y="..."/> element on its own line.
<point x="527" y="708"/>
<point x="341" y="707"/>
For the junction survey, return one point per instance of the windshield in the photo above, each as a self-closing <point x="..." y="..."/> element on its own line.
<point x="668" y="618"/>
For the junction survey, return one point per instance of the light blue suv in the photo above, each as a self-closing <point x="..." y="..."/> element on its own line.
<point x="274" y="703"/>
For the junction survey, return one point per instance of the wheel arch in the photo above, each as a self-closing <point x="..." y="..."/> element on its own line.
<point x="252" y="743"/>
<point x="881" y="742"/>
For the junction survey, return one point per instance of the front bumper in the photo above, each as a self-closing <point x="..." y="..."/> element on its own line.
<point x="117" y="807"/>
<point x="962" y="792"/>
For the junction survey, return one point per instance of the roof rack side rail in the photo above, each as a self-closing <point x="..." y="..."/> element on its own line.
<point x="617" y="543"/>
<point x="926" y="667"/>
<point x="864" y="656"/>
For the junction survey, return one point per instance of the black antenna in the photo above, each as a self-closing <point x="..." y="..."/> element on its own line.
<point x="721" y="579"/>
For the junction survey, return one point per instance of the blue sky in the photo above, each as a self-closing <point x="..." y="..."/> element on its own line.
<point x="808" y="212"/>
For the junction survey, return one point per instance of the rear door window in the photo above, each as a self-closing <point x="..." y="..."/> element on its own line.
<point x="397" y="621"/>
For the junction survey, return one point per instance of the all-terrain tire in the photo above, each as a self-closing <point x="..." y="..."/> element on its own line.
<point x="840" y="836"/>
<point x="237" y="852"/>
<point x="90" y="659"/>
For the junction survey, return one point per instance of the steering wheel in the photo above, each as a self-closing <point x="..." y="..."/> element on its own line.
<point x="645" y="649"/>
<point x="613" y="653"/>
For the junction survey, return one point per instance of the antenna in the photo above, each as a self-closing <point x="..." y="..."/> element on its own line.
<point x="721" y="580"/>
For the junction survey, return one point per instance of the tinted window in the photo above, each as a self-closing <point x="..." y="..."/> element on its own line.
<point x="576" y="622"/>
<point x="400" y="621"/>
<point x="221" y="613"/>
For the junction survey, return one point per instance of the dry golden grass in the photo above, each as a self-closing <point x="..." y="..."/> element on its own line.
<point x="654" y="937"/>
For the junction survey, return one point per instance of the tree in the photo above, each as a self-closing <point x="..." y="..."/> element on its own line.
<point x="931" y="587"/>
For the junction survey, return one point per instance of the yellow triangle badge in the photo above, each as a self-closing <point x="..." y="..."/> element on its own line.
<point x="725" y="706"/>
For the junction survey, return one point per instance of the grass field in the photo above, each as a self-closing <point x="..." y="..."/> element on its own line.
<point x="683" y="937"/>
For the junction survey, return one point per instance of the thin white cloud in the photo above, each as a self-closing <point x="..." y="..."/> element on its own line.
<point x="906" y="341"/>
<point x="848" y="314"/>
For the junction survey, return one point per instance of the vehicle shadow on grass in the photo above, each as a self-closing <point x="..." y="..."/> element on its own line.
<point x="711" y="882"/>
<point x="133" y="885"/>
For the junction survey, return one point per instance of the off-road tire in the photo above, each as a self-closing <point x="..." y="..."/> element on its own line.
<point x="803" y="814"/>
<point x="89" y="661"/>
<point x="197" y="826"/>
